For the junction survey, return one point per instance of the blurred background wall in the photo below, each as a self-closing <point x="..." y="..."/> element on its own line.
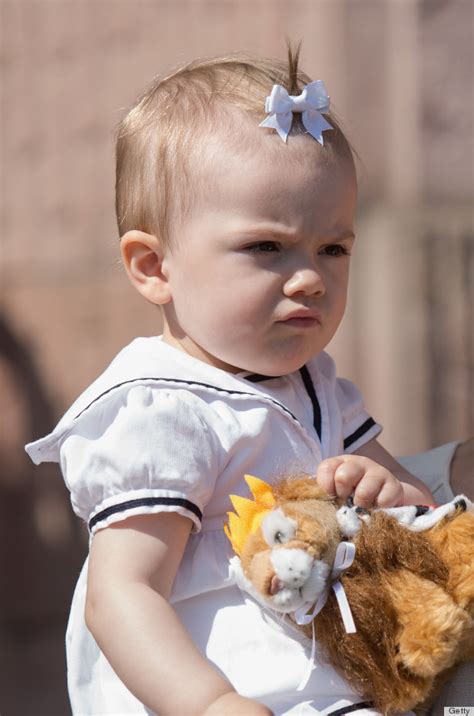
<point x="400" y="75"/>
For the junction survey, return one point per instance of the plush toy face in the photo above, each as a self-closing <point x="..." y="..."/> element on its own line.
<point x="288" y="559"/>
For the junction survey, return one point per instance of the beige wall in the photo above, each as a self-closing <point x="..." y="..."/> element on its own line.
<point x="395" y="73"/>
<point x="400" y="74"/>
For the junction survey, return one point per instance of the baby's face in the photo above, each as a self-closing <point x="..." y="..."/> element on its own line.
<point x="259" y="275"/>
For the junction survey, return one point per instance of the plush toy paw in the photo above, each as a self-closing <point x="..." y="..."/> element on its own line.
<point x="430" y="629"/>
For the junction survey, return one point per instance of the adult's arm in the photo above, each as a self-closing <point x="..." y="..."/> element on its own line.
<point x="462" y="469"/>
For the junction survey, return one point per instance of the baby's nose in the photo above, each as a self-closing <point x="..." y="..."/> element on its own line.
<point x="307" y="281"/>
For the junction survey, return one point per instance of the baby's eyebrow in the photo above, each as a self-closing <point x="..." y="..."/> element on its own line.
<point x="267" y="232"/>
<point x="343" y="236"/>
<point x="257" y="232"/>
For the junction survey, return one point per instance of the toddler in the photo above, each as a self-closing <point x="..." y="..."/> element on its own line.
<point x="236" y="192"/>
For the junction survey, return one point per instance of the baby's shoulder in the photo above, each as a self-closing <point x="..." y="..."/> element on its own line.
<point x="152" y="385"/>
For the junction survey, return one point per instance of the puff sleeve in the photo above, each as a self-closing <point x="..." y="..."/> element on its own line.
<point x="358" y="427"/>
<point x="146" y="450"/>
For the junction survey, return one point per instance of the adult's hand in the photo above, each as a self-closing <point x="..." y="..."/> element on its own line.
<point x="462" y="469"/>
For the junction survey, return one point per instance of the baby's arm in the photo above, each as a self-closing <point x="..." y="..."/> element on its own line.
<point x="132" y="567"/>
<point x="374" y="477"/>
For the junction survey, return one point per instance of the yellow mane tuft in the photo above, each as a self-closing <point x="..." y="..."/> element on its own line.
<point x="250" y="513"/>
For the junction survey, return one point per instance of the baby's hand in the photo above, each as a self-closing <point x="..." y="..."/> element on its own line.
<point x="232" y="704"/>
<point x="371" y="484"/>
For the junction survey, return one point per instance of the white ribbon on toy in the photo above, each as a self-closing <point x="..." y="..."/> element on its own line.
<point x="343" y="559"/>
<point x="345" y="554"/>
<point x="313" y="100"/>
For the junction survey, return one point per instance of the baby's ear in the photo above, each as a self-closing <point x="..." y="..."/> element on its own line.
<point x="143" y="256"/>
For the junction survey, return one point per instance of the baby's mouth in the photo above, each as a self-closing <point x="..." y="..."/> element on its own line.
<point x="302" y="317"/>
<point x="309" y="314"/>
<point x="301" y="322"/>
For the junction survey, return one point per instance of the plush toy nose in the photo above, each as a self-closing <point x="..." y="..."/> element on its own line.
<point x="275" y="585"/>
<point x="292" y="566"/>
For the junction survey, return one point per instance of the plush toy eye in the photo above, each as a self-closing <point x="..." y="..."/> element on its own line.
<point x="277" y="528"/>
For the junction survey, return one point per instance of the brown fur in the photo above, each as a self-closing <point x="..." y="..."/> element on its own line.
<point x="411" y="595"/>
<point x="456" y="547"/>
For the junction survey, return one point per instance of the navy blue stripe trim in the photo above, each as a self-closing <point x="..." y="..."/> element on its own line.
<point x="369" y="423"/>
<point x="350" y="709"/>
<point x="145" y="502"/>
<point x="185" y="382"/>
<point x="257" y="378"/>
<point x="308" y="384"/>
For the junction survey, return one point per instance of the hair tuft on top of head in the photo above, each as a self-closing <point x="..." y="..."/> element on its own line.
<point x="293" y="61"/>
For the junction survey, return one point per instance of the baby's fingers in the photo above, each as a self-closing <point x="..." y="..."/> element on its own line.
<point x="391" y="494"/>
<point x="347" y="476"/>
<point x="339" y="476"/>
<point x="326" y="472"/>
<point x="378" y="488"/>
<point x="367" y="491"/>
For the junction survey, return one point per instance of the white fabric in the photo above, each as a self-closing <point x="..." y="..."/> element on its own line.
<point x="159" y="426"/>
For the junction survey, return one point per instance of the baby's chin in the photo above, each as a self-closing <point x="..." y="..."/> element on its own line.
<point x="272" y="360"/>
<point x="274" y="367"/>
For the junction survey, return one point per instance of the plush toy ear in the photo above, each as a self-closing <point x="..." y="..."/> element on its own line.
<point x="349" y="520"/>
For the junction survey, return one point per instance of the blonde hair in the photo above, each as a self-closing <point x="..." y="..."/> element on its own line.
<point x="160" y="134"/>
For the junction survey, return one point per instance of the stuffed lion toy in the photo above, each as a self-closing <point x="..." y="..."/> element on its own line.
<point x="388" y="593"/>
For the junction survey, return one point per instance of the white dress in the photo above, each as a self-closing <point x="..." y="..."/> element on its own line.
<point x="161" y="431"/>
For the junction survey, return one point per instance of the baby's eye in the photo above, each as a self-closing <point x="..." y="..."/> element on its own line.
<point x="265" y="246"/>
<point x="336" y="250"/>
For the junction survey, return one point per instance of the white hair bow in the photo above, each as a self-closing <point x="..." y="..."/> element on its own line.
<point x="311" y="102"/>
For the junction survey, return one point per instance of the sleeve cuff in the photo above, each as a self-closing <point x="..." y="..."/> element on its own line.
<point x="366" y="431"/>
<point x="113" y="511"/>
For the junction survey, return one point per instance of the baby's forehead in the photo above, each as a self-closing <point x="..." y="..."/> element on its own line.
<point x="294" y="187"/>
<point x="237" y="139"/>
<point x="228" y="161"/>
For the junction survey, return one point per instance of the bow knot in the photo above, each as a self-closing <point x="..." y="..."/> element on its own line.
<point x="313" y="100"/>
<point x="345" y="554"/>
